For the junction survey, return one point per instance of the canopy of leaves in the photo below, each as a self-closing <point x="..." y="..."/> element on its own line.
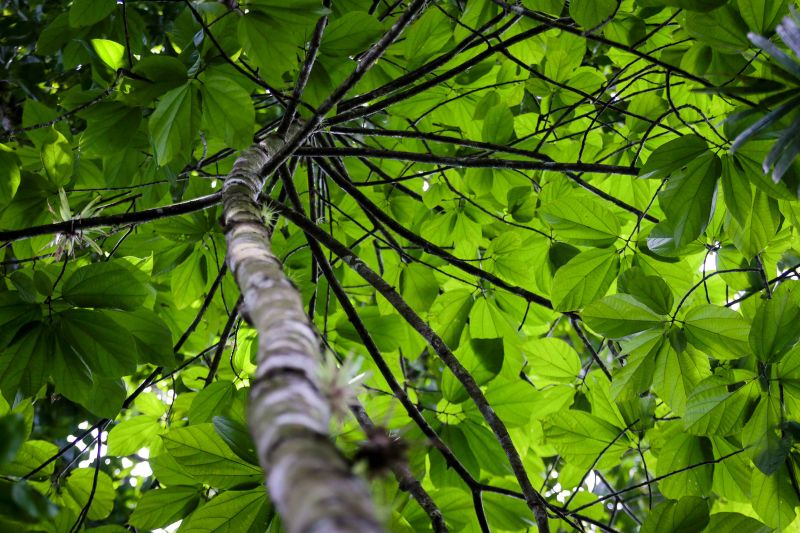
<point x="552" y="186"/>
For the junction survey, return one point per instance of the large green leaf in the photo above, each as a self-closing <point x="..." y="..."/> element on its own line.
<point x="774" y="498"/>
<point x="689" y="514"/>
<point x="57" y="159"/>
<point x="228" y="113"/>
<point x="129" y="436"/>
<point x="163" y="507"/>
<point x="713" y="409"/>
<point x="206" y="457"/>
<point x="687" y="201"/>
<point x="582" y="437"/>
<point x="590" y="13"/>
<point x="98" y="341"/>
<point x="88" y="12"/>
<point x="673" y="156"/>
<point x="587" y="222"/>
<point x="350" y="34"/>
<point x="776" y="325"/>
<point x="105" y="284"/>
<point x="231" y="512"/>
<point x="551" y="360"/>
<point x="620" y="315"/>
<point x="173" y="124"/>
<point x="585" y="278"/>
<point x="85" y="486"/>
<point x="679" y="452"/>
<point x="719" y="331"/>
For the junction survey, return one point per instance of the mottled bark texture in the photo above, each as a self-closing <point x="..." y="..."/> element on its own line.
<point x="308" y="480"/>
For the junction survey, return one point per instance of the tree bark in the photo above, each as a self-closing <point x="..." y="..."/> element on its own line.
<point x="308" y="480"/>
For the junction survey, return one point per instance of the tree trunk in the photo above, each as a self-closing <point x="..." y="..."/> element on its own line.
<point x="308" y="480"/>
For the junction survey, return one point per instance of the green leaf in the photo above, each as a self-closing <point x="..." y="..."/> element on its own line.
<point x="12" y="426"/>
<point x="32" y="454"/>
<point x="589" y="223"/>
<point x="752" y="234"/>
<point x="581" y="437"/>
<point x="719" y="331"/>
<point x="162" y="507"/>
<point x="9" y="176"/>
<point x="450" y="312"/>
<point x="81" y="486"/>
<point x="652" y="291"/>
<point x="677" y="374"/>
<point x="109" y="127"/>
<point x="722" y="29"/>
<point x="152" y="337"/>
<point x="188" y="281"/>
<point x="33" y="504"/>
<point x="590" y="13"/>
<point x="761" y="438"/>
<point x="687" y="201"/>
<point x="511" y="400"/>
<point x="736" y="522"/>
<point x="762" y="16"/>
<point x="57" y="159"/>
<point x="104" y="284"/>
<point x="498" y="126"/>
<point x="94" y="337"/>
<point x="23" y="365"/>
<point x="773" y="498"/>
<point x="214" y="399"/>
<point x="673" y="156"/>
<point x="712" y="409"/>
<point x="110" y="52"/>
<point x="681" y="451"/>
<point x="268" y="44"/>
<point x="687" y="515"/>
<point x="87" y="12"/>
<point x="205" y="456"/>
<point x="173" y="124"/>
<point x="237" y="437"/>
<point x="551" y="360"/>
<point x="232" y="511"/>
<point x="103" y="398"/>
<point x="228" y="112"/>
<point x="350" y="34"/>
<point x="418" y="286"/>
<point x="129" y="436"/>
<point x="631" y="380"/>
<point x="620" y="315"/>
<point x="776" y="325"/>
<point x="584" y="279"/>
